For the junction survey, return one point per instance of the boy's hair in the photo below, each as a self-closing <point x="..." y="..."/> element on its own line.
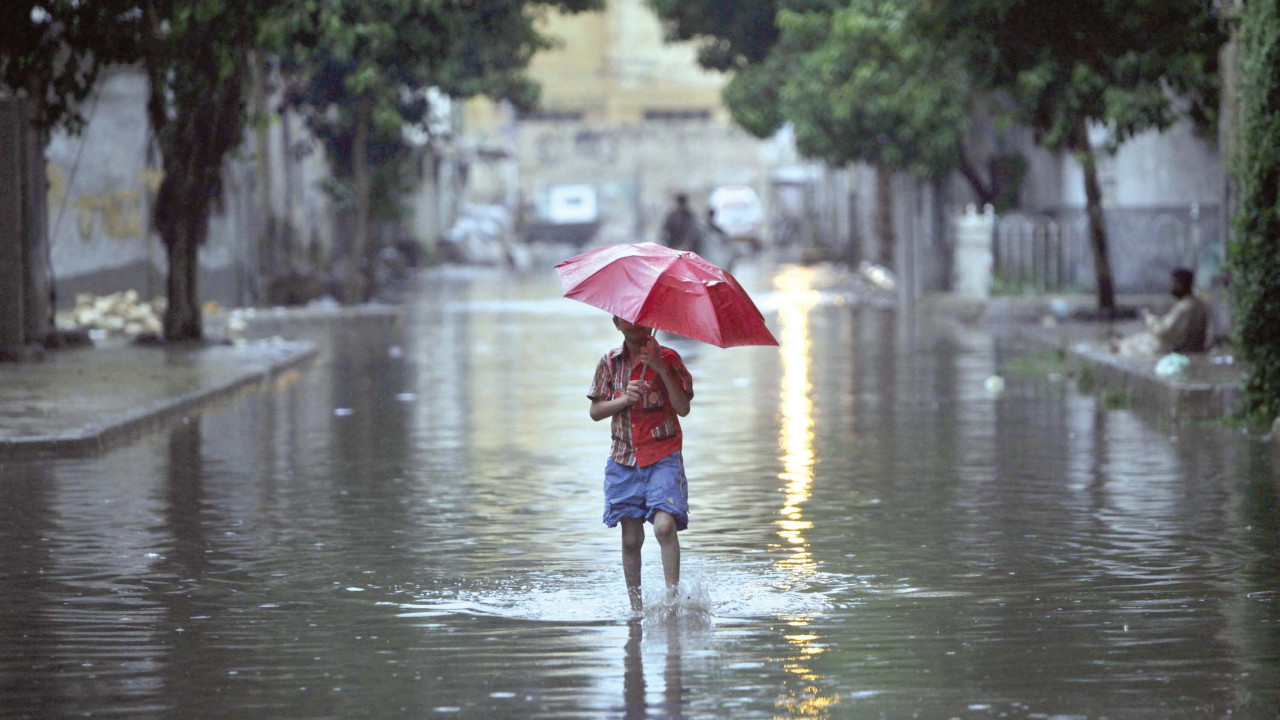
<point x="1184" y="276"/>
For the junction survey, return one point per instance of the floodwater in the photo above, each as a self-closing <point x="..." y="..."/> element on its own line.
<point x="411" y="528"/>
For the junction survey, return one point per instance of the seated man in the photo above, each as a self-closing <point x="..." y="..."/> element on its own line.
<point x="1184" y="329"/>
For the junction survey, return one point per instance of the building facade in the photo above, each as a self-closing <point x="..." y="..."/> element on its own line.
<point x="626" y="120"/>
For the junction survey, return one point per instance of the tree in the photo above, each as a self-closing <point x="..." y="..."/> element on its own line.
<point x="857" y="81"/>
<point x="360" y="71"/>
<point x="196" y="54"/>
<point x="730" y="35"/>
<point x="52" y="52"/>
<point x="1254" y="250"/>
<point x="858" y="67"/>
<point x="863" y="87"/>
<point x="1128" y="66"/>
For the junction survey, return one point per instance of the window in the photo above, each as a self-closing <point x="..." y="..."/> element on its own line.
<point x="687" y="114"/>
<point x="553" y="115"/>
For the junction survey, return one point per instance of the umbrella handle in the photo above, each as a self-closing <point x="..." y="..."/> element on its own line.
<point x="644" y="369"/>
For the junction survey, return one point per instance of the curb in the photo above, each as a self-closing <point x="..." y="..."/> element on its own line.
<point x="95" y="438"/>
<point x="1170" y="398"/>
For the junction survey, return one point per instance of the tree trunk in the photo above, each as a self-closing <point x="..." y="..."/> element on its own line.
<point x="196" y="108"/>
<point x="1097" y="222"/>
<point x="182" y="316"/>
<point x="363" y="189"/>
<point x="986" y="194"/>
<point x="884" y="216"/>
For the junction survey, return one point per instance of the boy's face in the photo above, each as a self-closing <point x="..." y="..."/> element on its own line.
<point x="634" y="334"/>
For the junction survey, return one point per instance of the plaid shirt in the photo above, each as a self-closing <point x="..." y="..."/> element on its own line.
<point x="648" y="431"/>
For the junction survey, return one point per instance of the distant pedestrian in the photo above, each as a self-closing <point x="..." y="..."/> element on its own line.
<point x="716" y="246"/>
<point x="645" y="389"/>
<point x="680" y="228"/>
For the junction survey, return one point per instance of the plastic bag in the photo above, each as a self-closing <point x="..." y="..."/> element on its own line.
<point x="1171" y="365"/>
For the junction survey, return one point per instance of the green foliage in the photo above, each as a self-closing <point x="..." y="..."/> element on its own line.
<point x="752" y="97"/>
<point x="731" y="35"/>
<point x="53" y="51"/>
<point x="1254" y="250"/>
<point x="1131" y="65"/>
<point x="856" y="79"/>
<point x="379" y="57"/>
<point x="197" y="56"/>
<point x="374" y="66"/>
<point x="868" y="87"/>
<point x="1113" y="399"/>
<point x="1044" y="363"/>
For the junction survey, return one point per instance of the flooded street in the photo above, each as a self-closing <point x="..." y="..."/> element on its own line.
<point x="412" y="528"/>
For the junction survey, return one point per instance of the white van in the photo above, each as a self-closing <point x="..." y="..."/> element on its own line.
<point x="738" y="211"/>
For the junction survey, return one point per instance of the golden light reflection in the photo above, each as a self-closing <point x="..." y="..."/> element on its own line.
<point x="796" y="299"/>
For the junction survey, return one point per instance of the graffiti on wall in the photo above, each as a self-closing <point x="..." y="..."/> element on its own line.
<point x="119" y="212"/>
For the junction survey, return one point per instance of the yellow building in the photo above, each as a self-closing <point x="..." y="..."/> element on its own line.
<point x="626" y="118"/>
<point x="613" y="66"/>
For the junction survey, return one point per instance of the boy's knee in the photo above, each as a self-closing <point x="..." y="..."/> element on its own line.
<point x="632" y="537"/>
<point x="664" y="527"/>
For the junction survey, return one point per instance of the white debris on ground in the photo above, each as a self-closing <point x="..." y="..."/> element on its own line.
<point x="119" y="313"/>
<point x="481" y="235"/>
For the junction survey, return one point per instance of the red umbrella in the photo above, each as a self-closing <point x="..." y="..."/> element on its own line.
<point x="673" y="290"/>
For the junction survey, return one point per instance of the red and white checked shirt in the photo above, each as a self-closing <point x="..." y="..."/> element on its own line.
<point x="648" y="431"/>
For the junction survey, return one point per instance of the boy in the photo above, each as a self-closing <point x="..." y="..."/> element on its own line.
<point x="644" y="387"/>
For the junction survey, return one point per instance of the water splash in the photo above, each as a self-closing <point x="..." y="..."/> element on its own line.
<point x="691" y="600"/>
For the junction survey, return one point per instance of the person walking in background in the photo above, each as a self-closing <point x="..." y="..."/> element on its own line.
<point x="716" y="246"/>
<point x="645" y="389"/>
<point x="680" y="228"/>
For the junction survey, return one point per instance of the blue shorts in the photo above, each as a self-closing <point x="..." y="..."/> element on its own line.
<point x="640" y="492"/>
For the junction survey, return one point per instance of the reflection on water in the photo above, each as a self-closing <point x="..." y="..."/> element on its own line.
<point x="411" y="528"/>
<point x="796" y="297"/>
<point x="795" y="300"/>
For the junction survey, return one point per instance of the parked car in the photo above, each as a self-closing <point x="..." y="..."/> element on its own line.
<point x="566" y="213"/>
<point x="738" y="212"/>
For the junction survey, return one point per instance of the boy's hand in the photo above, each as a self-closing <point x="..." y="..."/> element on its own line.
<point x="651" y="354"/>
<point x="635" y="391"/>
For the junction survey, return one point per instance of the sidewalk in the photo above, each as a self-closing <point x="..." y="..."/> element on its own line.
<point x="80" y="401"/>
<point x="83" y="400"/>
<point x="1206" y="390"/>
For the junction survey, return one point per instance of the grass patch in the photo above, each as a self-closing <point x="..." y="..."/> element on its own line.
<point x="1085" y="379"/>
<point x="1113" y="399"/>
<point x="1234" y="421"/>
<point x="1044" y="364"/>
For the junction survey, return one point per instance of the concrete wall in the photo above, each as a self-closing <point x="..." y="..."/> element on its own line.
<point x="1162" y="197"/>
<point x="102" y="186"/>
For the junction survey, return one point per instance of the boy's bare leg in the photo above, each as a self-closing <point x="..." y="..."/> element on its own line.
<point x="632" y="540"/>
<point x="664" y="528"/>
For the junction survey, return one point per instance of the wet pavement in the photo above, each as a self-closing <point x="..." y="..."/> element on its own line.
<point x="410" y="526"/>
<point x="83" y="399"/>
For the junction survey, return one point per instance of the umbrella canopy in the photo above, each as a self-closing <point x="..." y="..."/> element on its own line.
<point x="673" y="290"/>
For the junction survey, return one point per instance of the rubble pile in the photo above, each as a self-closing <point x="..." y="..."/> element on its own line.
<point x="116" y="314"/>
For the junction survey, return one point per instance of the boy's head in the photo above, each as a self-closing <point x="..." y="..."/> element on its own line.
<point x="635" y="334"/>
